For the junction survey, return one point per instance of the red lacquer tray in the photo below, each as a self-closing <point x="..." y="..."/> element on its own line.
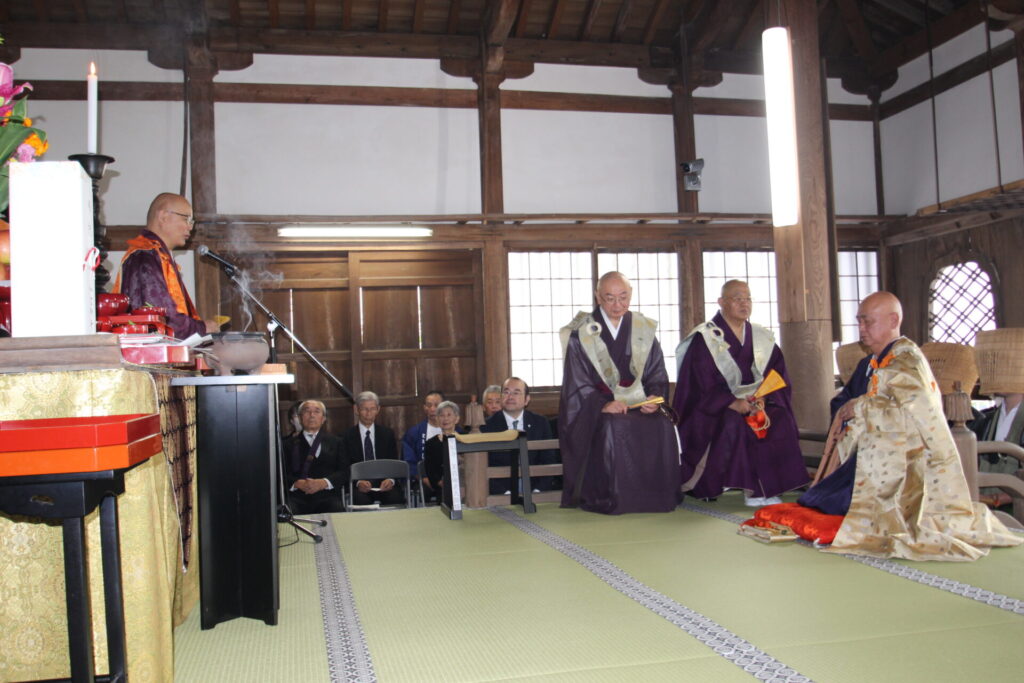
<point x="77" y="444"/>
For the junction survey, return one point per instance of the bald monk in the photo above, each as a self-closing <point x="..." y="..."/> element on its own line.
<point x="149" y="274"/>
<point x="615" y="458"/>
<point x="722" y="362"/>
<point x="901" y="486"/>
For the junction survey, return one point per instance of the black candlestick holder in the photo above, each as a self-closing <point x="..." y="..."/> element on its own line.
<point x="95" y="166"/>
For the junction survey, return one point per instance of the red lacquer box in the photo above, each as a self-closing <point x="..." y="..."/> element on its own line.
<point x="77" y="444"/>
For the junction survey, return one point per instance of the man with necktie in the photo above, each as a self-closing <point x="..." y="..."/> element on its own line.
<point x="367" y="440"/>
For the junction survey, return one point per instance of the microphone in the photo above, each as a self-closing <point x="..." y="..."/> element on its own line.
<point x="228" y="266"/>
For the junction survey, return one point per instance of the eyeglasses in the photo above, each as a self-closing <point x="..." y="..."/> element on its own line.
<point x="622" y="299"/>
<point x="188" y="219"/>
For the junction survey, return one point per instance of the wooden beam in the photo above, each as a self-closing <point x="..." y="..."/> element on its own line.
<point x="81" y="15"/>
<point x="346" y="15"/>
<point x="556" y="20"/>
<point x="914" y="229"/>
<point x="282" y="93"/>
<point x="651" y="29"/>
<point x="498" y="20"/>
<point x="274" y="13"/>
<point x="112" y="36"/>
<point x="417" y="16"/>
<point x="523" y="20"/>
<point x="383" y="8"/>
<point x="310" y="14"/>
<point x="942" y="30"/>
<point x="587" y="28"/>
<point x="857" y="29"/>
<point x="621" y="19"/>
<point x="495" y="312"/>
<point x="453" y="16"/>
<point x="234" y="12"/>
<point x="41" y="13"/>
<point x="949" y="79"/>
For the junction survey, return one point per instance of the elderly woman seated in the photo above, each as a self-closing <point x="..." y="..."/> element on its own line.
<point x="436" y="450"/>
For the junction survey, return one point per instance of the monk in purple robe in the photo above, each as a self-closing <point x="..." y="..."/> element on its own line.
<point x="619" y="451"/>
<point x="722" y="363"/>
<point x="149" y="274"/>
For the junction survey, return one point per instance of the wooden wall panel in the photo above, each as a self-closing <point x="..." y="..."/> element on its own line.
<point x="390" y="318"/>
<point x="914" y="266"/>
<point x="448" y="320"/>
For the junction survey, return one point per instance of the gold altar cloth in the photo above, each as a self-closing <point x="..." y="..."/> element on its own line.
<point x="158" y="593"/>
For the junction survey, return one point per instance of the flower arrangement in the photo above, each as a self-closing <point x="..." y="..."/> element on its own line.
<point x="19" y="141"/>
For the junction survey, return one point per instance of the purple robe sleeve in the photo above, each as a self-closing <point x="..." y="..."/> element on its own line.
<point x="142" y="279"/>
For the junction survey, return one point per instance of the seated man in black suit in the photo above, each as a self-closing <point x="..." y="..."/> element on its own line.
<point x="369" y="441"/>
<point x="515" y="396"/>
<point x="316" y="467"/>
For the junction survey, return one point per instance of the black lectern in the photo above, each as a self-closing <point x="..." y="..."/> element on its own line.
<point x="236" y="446"/>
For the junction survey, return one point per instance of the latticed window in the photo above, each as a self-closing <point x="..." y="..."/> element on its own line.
<point x="546" y="289"/>
<point x="757" y="269"/>
<point x="960" y="304"/>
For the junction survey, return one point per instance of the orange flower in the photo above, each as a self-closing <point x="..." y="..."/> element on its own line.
<point x="40" y="146"/>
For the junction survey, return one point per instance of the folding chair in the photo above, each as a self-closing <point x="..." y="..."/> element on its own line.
<point x="381" y="469"/>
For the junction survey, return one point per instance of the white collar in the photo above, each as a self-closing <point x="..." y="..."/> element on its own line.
<point x="363" y="429"/>
<point x="612" y="329"/>
<point x="509" y="419"/>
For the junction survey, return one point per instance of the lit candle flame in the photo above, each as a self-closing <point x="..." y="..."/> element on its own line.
<point x="92" y="68"/>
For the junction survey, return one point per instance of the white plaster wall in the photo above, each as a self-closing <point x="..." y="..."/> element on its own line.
<point x="115" y="65"/>
<point x="601" y="80"/>
<point x="143" y="137"/>
<point x="584" y="162"/>
<point x="966" y="138"/>
<point x="735" y="152"/>
<point x="853" y="167"/>
<point x="325" y="159"/>
<point x="375" y="71"/>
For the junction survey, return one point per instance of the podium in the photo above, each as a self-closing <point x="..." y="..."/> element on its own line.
<point x="237" y="482"/>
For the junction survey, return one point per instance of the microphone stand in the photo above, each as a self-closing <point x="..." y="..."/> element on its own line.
<point x="284" y="513"/>
<point x="275" y="323"/>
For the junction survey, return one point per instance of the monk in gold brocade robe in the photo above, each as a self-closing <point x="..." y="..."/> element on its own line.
<point x="901" y="470"/>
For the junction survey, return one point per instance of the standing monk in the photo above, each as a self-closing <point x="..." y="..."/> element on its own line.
<point x="149" y="275"/>
<point x="615" y="459"/>
<point x="721" y="364"/>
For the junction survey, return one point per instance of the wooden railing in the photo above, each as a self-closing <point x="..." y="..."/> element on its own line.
<point x="478" y="475"/>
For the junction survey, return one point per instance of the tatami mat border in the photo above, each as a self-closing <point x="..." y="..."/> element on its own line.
<point x="966" y="590"/>
<point x="723" y="642"/>
<point x="348" y="656"/>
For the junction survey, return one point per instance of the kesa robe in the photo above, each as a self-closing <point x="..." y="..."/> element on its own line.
<point x="720" y="450"/>
<point x="615" y="464"/>
<point x="909" y="497"/>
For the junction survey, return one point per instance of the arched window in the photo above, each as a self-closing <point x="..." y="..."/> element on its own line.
<point x="960" y="303"/>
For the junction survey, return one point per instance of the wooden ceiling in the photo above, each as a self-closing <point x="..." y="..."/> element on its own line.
<point x="863" y="41"/>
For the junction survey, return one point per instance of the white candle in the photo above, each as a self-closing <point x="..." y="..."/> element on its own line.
<point x="92" y="91"/>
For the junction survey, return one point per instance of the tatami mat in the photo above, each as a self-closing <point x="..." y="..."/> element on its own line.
<point x="482" y="600"/>
<point x="249" y="650"/>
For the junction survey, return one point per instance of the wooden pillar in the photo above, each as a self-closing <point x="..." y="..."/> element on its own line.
<point x="874" y="94"/>
<point x="497" y="354"/>
<point x="1018" y="41"/>
<point x="492" y="198"/>
<point x="801" y="251"/>
<point x="200" y="68"/>
<point x="685" y="141"/>
<point x="691" y="283"/>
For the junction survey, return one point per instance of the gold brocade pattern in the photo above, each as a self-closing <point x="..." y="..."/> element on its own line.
<point x="156" y="593"/>
<point x="910" y="498"/>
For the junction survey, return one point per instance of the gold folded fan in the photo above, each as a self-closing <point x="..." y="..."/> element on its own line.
<point x="657" y="400"/>
<point x="772" y="382"/>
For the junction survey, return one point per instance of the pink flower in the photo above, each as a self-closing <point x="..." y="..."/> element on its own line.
<point x="25" y="153"/>
<point x="8" y="91"/>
